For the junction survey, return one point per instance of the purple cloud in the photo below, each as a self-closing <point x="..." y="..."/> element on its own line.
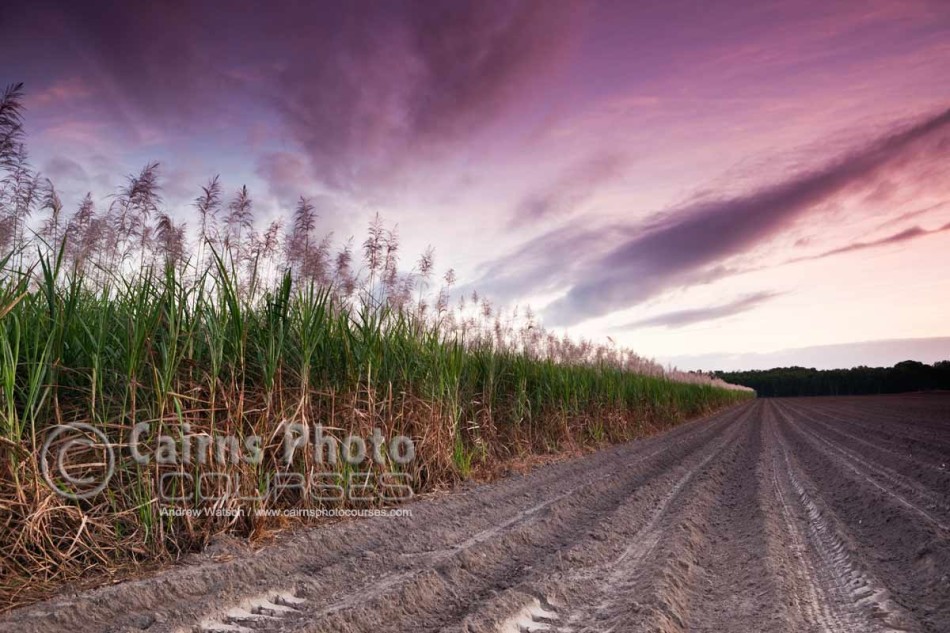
<point x="685" y="245"/>
<point x="906" y="235"/>
<point x="406" y="78"/>
<point x="570" y="189"/>
<point x="363" y="88"/>
<point x="682" y="318"/>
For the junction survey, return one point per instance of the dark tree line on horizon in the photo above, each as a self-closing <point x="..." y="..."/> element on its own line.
<point x="905" y="376"/>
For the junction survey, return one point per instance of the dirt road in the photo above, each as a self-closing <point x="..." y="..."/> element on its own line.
<point x="778" y="515"/>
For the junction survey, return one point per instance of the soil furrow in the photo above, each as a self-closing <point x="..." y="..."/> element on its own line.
<point x="907" y="554"/>
<point x="736" y="545"/>
<point x="916" y="453"/>
<point x="498" y="564"/>
<point x="909" y="426"/>
<point x="903" y="492"/>
<point x="842" y="595"/>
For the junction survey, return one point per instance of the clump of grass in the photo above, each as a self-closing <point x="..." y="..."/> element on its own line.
<point x="112" y="319"/>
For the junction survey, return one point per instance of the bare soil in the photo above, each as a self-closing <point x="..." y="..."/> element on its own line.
<point x="825" y="514"/>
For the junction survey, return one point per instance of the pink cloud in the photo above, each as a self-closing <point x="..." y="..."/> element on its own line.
<point x="63" y="92"/>
<point x="90" y="134"/>
<point x="287" y="175"/>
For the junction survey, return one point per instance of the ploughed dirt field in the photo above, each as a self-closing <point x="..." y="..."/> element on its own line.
<point x="826" y="514"/>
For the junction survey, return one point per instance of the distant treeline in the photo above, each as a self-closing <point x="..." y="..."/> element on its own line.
<point x="908" y="375"/>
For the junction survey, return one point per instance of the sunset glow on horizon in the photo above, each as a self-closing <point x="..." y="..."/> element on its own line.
<point x="702" y="182"/>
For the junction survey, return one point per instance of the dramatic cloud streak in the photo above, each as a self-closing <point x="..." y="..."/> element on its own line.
<point x="361" y="87"/>
<point x="569" y="190"/>
<point x="902" y="236"/>
<point x="682" y="318"/>
<point x="903" y="217"/>
<point x="680" y="248"/>
<point x="408" y="79"/>
<point x="543" y="264"/>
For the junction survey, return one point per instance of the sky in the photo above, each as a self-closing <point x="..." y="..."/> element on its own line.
<point x="708" y="183"/>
